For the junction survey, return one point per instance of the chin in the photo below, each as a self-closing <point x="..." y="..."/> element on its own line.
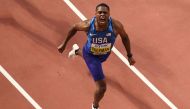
<point x="103" y="24"/>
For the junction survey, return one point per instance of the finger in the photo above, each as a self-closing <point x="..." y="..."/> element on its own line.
<point x="133" y="62"/>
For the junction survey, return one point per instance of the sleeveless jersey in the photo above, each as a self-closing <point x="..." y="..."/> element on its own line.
<point x="100" y="42"/>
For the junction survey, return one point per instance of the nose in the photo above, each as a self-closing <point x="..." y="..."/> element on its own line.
<point x="102" y="16"/>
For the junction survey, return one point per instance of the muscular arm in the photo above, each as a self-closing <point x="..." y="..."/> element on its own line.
<point x="81" y="26"/>
<point x="119" y="29"/>
<point x="125" y="39"/>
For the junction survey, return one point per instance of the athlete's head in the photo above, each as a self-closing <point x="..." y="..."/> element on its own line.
<point x="102" y="14"/>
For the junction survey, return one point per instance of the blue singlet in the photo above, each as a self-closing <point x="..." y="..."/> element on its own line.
<point x="98" y="48"/>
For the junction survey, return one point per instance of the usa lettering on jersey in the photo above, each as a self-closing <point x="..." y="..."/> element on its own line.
<point x="99" y="40"/>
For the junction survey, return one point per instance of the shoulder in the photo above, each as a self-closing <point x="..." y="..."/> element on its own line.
<point x="117" y="24"/>
<point x="118" y="27"/>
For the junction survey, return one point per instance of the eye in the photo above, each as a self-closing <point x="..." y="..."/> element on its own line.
<point x="100" y="12"/>
<point x="104" y="12"/>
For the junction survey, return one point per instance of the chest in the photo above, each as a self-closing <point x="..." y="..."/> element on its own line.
<point x="101" y="37"/>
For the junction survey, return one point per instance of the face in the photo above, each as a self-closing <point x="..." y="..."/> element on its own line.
<point x="102" y="15"/>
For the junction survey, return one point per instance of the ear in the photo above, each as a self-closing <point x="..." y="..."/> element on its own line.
<point x="95" y="12"/>
<point x="109" y="13"/>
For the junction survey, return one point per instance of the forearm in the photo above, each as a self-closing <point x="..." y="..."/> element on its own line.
<point x="70" y="34"/>
<point x="126" y="43"/>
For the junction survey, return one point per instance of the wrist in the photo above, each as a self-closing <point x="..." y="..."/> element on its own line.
<point x="129" y="55"/>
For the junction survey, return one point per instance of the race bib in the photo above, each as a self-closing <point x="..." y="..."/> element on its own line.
<point x="100" y="49"/>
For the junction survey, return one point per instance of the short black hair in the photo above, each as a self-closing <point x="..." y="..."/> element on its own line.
<point x="103" y="4"/>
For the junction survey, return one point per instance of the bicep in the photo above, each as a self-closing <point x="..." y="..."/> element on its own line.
<point x="121" y="31"/>
<point x="81" y="26"/>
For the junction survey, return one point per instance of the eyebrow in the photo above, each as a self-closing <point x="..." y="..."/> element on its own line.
<point x="102" y="10"/>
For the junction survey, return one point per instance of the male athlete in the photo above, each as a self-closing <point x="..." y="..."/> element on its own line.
<point x="101" y="32"/>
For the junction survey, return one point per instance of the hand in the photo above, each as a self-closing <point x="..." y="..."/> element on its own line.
<point x="61" y="48"/>
<point x="131" y="61"/>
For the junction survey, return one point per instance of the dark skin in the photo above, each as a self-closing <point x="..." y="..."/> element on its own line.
<point x="101" y="23"/>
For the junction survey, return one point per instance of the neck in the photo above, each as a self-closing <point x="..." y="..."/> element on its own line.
<point x="101" y="27"/>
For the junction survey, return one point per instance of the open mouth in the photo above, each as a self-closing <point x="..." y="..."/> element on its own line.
<point x="102" y="19"/>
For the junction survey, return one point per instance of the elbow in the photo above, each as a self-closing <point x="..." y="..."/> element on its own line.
<point x="73" y="29"/>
